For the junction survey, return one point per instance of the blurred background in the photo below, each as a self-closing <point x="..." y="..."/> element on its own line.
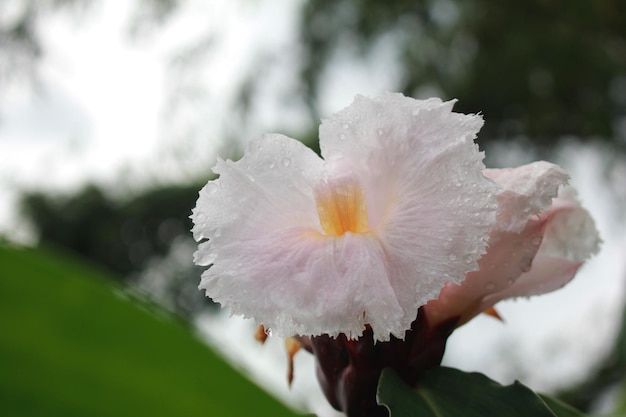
<point x="113" y="113"/>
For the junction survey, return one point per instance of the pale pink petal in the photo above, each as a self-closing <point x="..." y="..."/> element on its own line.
<point x="526" y="191"/>
<point x="513" y="244"/>
<point x="547" y="274"/>
<point x="428" y="200"/>
<point x="570" y="238"/>
<point x="269" y="188"/>
<point x="508" y="257"/>
<point x="571" y="232"/>
<point x="297" y="281"/>
<point x="269" y="259"/>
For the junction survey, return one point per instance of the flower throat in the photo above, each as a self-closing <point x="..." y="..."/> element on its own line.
<point x="341" y="206"/>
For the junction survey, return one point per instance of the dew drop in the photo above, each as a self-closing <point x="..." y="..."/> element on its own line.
<point x="536" y="241"/>
<point x="211" y="188"/>
<point x="286" y="162"/>
<point x="342" y="136"/>
<point x="490" y="286"/>
<point x="271" y="165"/>
<point x="345" y="126"/>
<point x="452" y="257"/>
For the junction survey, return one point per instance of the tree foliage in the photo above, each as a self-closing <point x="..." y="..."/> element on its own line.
<point x="123" y="236"/>
<point x="119" y="235"/>
<point x="544" y="69"/>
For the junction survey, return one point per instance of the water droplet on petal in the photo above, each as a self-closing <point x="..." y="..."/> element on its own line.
<point x="342" y="136"/>
<point x="490" y="286"/>
<point x="345" y="126"/>
<point x="211" y="188"/>
<point x="272" y="165"/>
<point x="452" y="257"/>
<point x="536" y="241"/>
<point x="286" y="162"/>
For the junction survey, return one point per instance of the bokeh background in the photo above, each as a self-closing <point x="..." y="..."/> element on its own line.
<point x="112" y="114"/>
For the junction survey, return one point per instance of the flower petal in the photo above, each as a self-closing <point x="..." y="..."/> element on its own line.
<point x="269" y="259"/>
<point x="269" y="188"/>
<point x="571" y="232"/>
<point x="547" y="274"/>
<point x="526" y="190"/>
<point x="426" y="195"/>
<point x="513" y="243"/>
<point x="508" y="257"/>
<point x="297" y="281"/>
<point x="570" y="238"/>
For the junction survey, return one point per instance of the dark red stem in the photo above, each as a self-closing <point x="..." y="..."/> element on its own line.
<point x="348" y="370"/>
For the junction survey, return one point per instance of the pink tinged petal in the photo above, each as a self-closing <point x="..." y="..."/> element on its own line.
<point x="269" y="187"/>
<point x="508" y="257"/>
<point x="513" y="244"/>
<point x="526" y="191"/>
<point x="571" y="233"/>
<point x="297" y="281"/>
<point x="547" y="274"/>
<point x="270" y="259"/>
<point x="570" y="238"/>
<point x="427" y="198"/>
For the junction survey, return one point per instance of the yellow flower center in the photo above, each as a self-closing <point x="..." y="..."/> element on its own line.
<point x="341" y="206"/>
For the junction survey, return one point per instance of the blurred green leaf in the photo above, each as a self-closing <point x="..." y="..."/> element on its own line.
<point x="73" y="344"/>
<point x="447" y="392"/>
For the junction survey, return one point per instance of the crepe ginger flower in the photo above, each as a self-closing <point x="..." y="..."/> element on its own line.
<point x="396" y="207"/>
<point x="398" y="213"/>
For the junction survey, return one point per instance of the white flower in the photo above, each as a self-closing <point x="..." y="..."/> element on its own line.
<point x="396" y="207"/>
<point x="539" y="242"/>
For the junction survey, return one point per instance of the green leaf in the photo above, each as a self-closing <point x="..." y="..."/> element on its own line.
<point x="72" y="344"/>
<point x="447" y="392"/>
<point x="560" y="408"/>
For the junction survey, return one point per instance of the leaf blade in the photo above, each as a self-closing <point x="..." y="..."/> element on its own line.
<point x="447" y="392"/>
